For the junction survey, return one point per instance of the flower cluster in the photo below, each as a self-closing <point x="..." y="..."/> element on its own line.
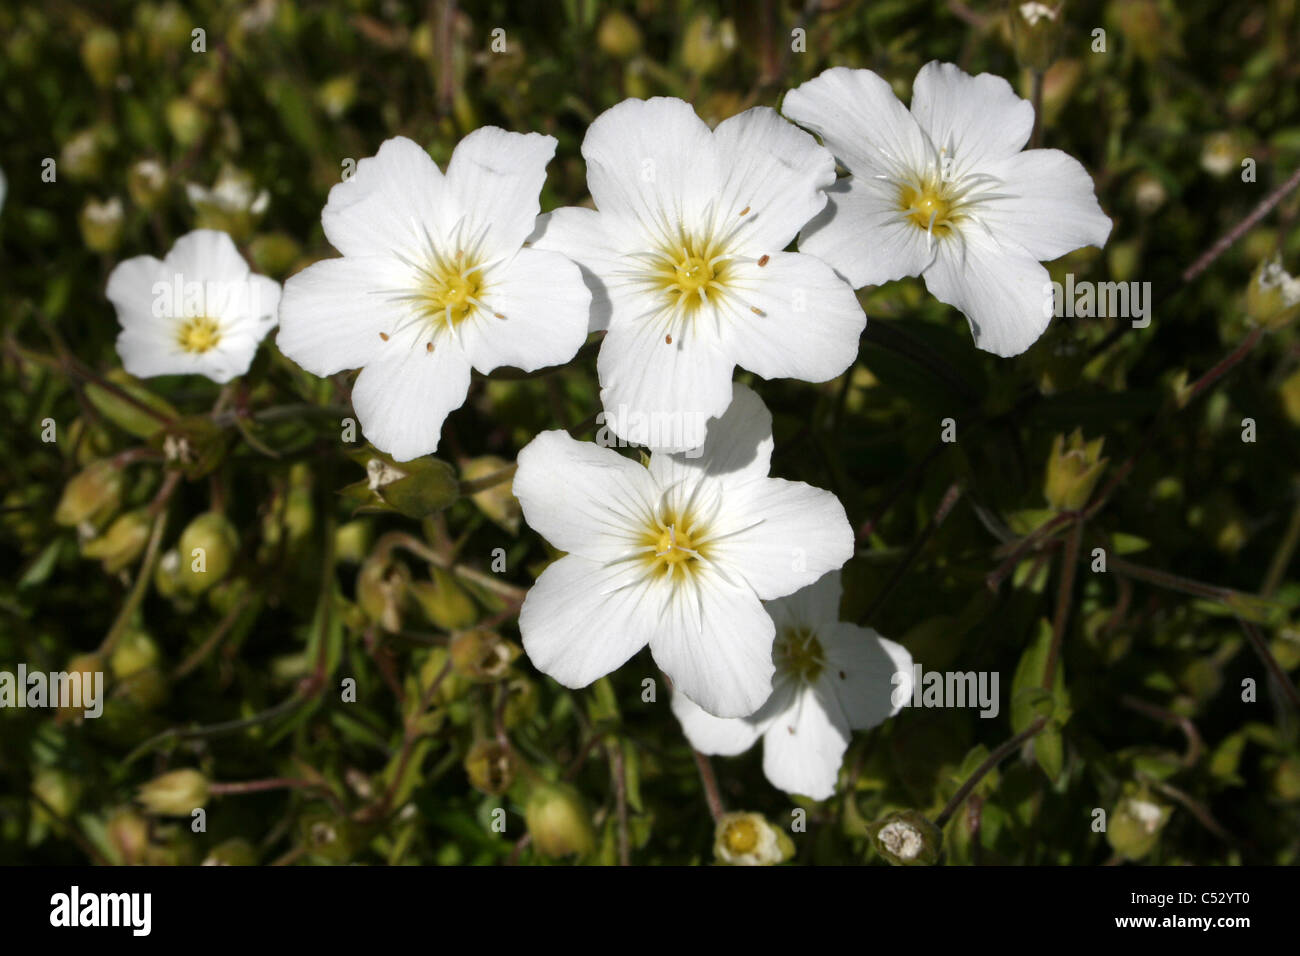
<point x="686" y="268"/>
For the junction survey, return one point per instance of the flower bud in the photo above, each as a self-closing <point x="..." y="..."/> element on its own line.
<point x="175" y="794"/>
<point x="167" y="574"/>
<point x="482" y="656"/>
<point x="1134" y="826"/>
<point x="100" y="53"/>
<point x="101" y="224"/>
<point x="121" y="544"/>
<point x="1273" y="295"/>
<point x="618" y="35"/>
<point x="352" y="541"/>
<point x="498" y="503"/>
<point x="522" y="701"/>
<point x="234" y="852"/>
<point x="233" y="204"/>
<point x="1036" y="32"/>
<point x="1073" y="469"/>
<point x="707" y="45"/>
<point x="747" y="839"/>
<point x="91" y="495"/>
<point x="1289" y="392"/>
<point x="55" y="791"/>
<point x="1221" y="153"/>
<point x="906" y="838"/>
<point x="445" y="602"/>
<point x="128" y="835"/>
<point x="336" y="95"/>
<point x="558" y="821"/>
<point x="274" y="253"/>
<point x="382" y="592"/>
<point x="135" y="652"/>
<point x="207" y="549"/>
<point x="82" y="155"/>
<point x="185" y="120"/>
<point x="490" y="767"/>
<point x="146" y="183"/>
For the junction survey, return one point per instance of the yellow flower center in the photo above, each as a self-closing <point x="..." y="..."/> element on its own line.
<point x="797" y="652"/>
<point x="690" y="272"/>
<point x="199" y="334"/>
<point x="673" y="544"/>
<point x="928" y="206"/>
<point x="451" y="294"/>
<point x="741" y="836"/>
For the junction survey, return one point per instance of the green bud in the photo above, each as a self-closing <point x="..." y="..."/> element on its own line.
<point x="522" y="701"/>
<point x="146" y="183"/>
<point x="490" y="767"/>
<point x="122" y="543"/>
<point x="352" y="541"/>
<point x="906" y="838"/>
<point x="747" y="839"/>
<point x="558" y="821"/>
<point x="100" y="53"/>
<point x="135" y="652"/>
<point x="128" y="835"/>
<point x="59" y="791"/>
<point x="707" y="45"/>
<point x="498" y="503"/>
<point x="618" y="35"/>
<point x="274" y="253"/>
<point x="1221" y="154"/>
<point x="1289" y="393"/>
<point x="186" y="120"/>
<point x="101" y="224"/>
<point x="1273" y="295"/>
<point x="207" y="549"/>
<point x="336" y="95"/>
<point x="167" y="574"/>
<point x="445" y="602"/>
<point x="1036" y="32"/>
<point x="382" y="591"/>
<point x="327" y="836"/>
<point x="482" y="656"/>
<point x="1135" y="824"/>
<point x="91" y="495"/>
<point x="147" y="688"/>
<point x="82" y="155"/>
<point x="1073" y="469"/>
<point x="233" y="852"/>
<point x="1286" y="780"/>
<point x="175" y="794"/>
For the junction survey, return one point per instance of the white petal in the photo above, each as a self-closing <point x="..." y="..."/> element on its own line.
<point x="1002" y="290"/>
<point x="1052" y="208"/>
<point x="205" y="255"/>
<point x="718" y="736"/>
<point x="332" y="312"/>
<point x="498" y="176"/>
<point x="816" y="607"/>
<point x="579" y="622"/>
<point x="393" y="201"/>
<point x="976" y="119"/>
<point x="662" y="394"/>
<point x="579" y="234"/>
<point x="714" y="640"/>
<point x="404" y="394"/>
<point x="651" y="164"/>
<point x="782" y="535"/>
<point x="804" y="747"/>
<point x="860" y="120"/>
<point x="866" y="672"/>
<point x="774" y="170"/>
<point x="863" y="235"/>
<point x="737" y="449"/>
<point x="582" y="498"/>
<point x="131" y="289"/>
<point x="810" y="323"/>
<point x="544" y="304"/>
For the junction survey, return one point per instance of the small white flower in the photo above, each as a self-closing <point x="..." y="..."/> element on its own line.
<point x="684" y="258"/>
<point x="231" y="194"/>
<point x="944" y="191"/>
<point x="1031" y="13"/>
<point x="678" y="555"/>
<point x="434" y="280"/>
<point x="199" y="311"/>
<point x="832" y="678"/>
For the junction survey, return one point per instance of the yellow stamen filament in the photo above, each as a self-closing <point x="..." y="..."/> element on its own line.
<point x="199" y="334"/>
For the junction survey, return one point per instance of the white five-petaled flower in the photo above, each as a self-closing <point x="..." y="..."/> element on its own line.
<point x="945" y="191"/>
<point x="684" y="257"/>
<point x="199" y="311"/>
<point x="832" y="678"/>
<point x="679" y="554"/>
<point x="434" y="280"/>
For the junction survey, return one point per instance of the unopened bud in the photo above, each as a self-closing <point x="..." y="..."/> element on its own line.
<point x="482" y="656"/>
<point x="558" y="821"/>
<point x="618" y="35"/>
<point x="121" y="544"/>
<point x="1073" y="468"/>
<point x="1134" y="826"/>
<point x="100" y="53"/>
<point x="381" y="592"/>
<point x="128" y="835"/>
<point x="91" y="495"/>
<point x="101" y="224"/>
<point x="1273" y="295"/>
<point x="233" y="852"/>
<point x="445" y="602"/>
<point x="207" y="549"/>
<point x="498" y="503"/>
<point x="1036" y="32"/>
<point x="175" y="794"/>
<point x="146" y="183"/>
<point x="906" y="838"/>
<point x="490" y="767"/>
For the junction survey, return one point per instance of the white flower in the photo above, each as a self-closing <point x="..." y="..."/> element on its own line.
<point x="684" y="258"/>
<point x="197" y="312"/>
<point x="434" y="280"/>
<point x="945" y="191"/>
<point x="678" y="555"/>
<point x="832" y="678"/>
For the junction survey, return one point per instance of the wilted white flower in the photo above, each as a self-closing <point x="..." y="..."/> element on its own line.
<point x="679" y="555"/>
<point x="684" y="258"/>
<point x="199" y="311"/>
<point x="434" y="280"/>
<point x="832" y="678"/>
<point x="944" y="191"/>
